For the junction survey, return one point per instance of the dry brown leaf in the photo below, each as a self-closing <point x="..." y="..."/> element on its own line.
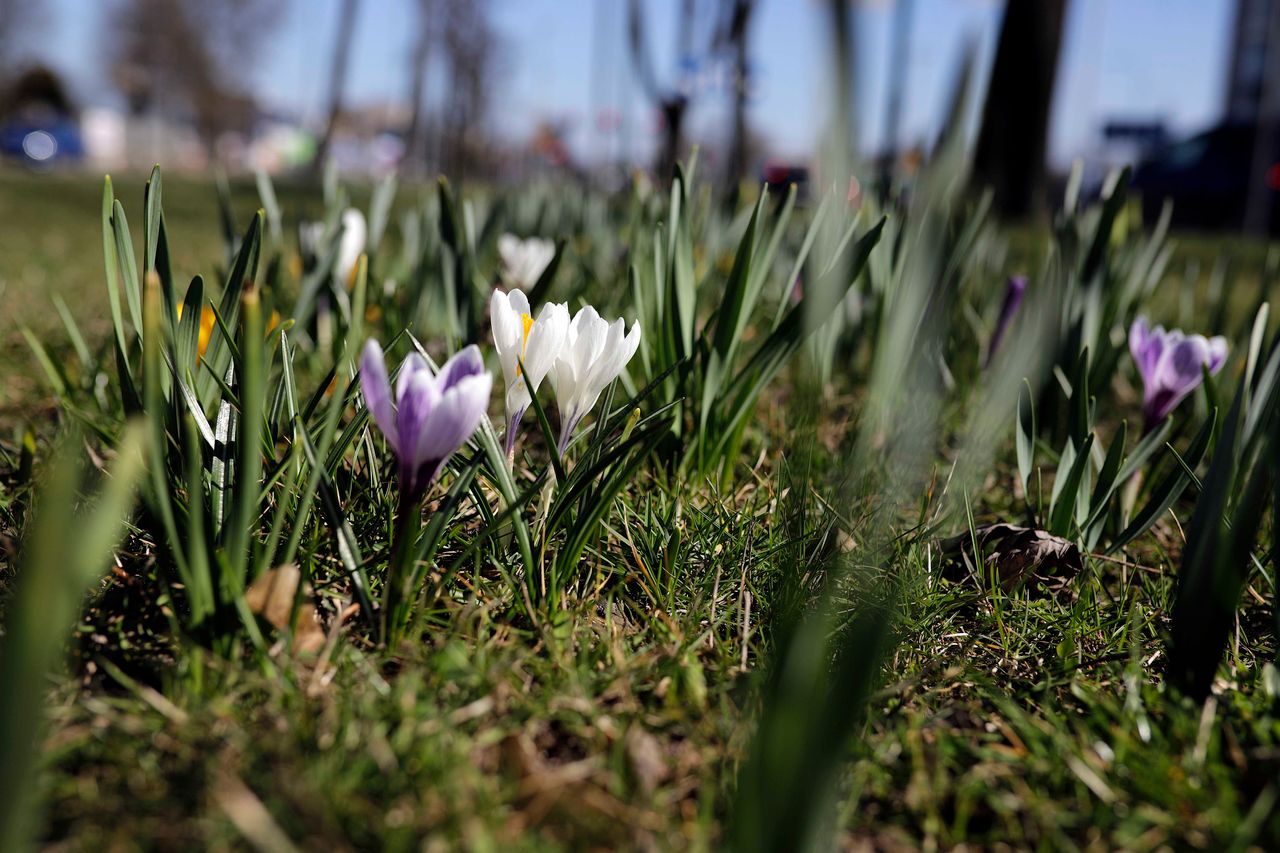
<point x="271" y="597"/>
<point x="645" y="755"/>
<point x="1017" y="555"/>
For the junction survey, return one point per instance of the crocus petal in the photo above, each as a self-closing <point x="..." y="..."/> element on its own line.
<point x="1217" y="353"/>
<point x="595" y="352"/>
<point x="1138" y="333"/>
<point x="583" y="342"/>
<point x="592" y="338"/>
<point x="1172" y="365"/>
<point x="309" y="236"/>
<point x="517" y="398"/>
<point x="465" y="362"/>
<point x="507" y="332"/>
<point x="508" y="248"/>
<point x="519" y="302"/>
<point x="454" y="418"/>
<point x="542" y="253"/>
<point x="608" y="361"/>
<point x="630" y="344"/>
<point x="546" y="336"/>
<point x="413" y="364"/>
<point x="1013" y="293"/>
<point x="564" y="373"/>
<point x="1180" y="366"/>
<point x="412" y="415"/>
<point x="354" y="234"/>
<point x="1147" y="345"/>
<point x="617" y="353"/>
<point x="524" y="261"/>
<point x="376" y="388"/>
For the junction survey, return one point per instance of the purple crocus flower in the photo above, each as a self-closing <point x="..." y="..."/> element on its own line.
<point x="1171" y="365"/>
<point x="1013" y="293"/>
<point x="433" y="413"/>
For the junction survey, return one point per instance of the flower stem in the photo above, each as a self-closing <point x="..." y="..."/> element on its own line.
<point x="510" y="444"/>
<point x="395" y="595"/>
<point x="567" y="426"/>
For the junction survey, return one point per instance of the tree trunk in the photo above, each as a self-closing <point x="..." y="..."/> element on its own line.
<point x="672" y="133"/>
<point x="738" y="29"/>
<point x="337" y="76"/>
<point x="414" y="147"/>
<point x="1013" y="141"/>
<point x="899" y="62"/>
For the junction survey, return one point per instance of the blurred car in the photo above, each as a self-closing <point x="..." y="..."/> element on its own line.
<point x="1209" y="177"/>
<point x="41" y="144"/>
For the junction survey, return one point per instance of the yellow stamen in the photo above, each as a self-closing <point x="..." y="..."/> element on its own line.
<point x="524" y="340"/>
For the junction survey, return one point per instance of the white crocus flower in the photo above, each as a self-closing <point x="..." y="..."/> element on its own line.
<point x="351" y="245"/>
<point x="595" y="352"/>
<point x="524" y="261"/>
<point x="351" y="242"/>
<point x="310" y="236"/>
<point x="518" y="337"/>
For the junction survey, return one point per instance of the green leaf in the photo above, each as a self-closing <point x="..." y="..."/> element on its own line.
<point x="217" y="356"/>
<point x="787" y="337"/>
<point x="1063" y="505"/>
<point x="1169" y="489"/>
<point x="73" y="331"/>
<point x="1025" y="435"/>
<point x="1108" y="481"/>
<point x="151" y="221"/>
<point x="128" y="264"/>
<point x="379" y="211"/>
<point x="66" y="553"/>
<point x="1150" y="443"/>
<point x="187" y="340"/>
<point x="271" y="205"/>
<point x="348" y="546"/>
<point x="1111" y="207"/>
<point x="57" y="381"/>
<point x="547" y="435"/>
<point x="680" y="277"/>
<point x="1216" y="561"/>
<point x="735" y="307"/>
<point x="112" y="267"/>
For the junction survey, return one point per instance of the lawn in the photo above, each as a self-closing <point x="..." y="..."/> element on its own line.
<point x="755" y="603"/>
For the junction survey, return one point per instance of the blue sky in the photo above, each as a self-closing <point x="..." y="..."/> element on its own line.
<point x="1133" y="58"/>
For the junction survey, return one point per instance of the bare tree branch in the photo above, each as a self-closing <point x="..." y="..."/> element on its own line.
<point x="186" y="57"/>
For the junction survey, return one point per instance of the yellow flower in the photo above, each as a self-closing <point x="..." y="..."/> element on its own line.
<point x="207" y="320"/>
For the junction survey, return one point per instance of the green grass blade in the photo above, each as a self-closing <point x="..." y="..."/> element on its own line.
<point x="67" y="552"/>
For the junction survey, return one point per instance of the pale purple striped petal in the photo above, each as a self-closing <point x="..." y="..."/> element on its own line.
<point x="411" y="367"/>
<point x="464" y="363"/>
<point x="454" y="419"/>
<point x="433" y="414"/>
<point x="412" y="418"/>
<point x="1171" y="365"/>
<point x="377" y="391"/>
<point x="1217" y="353"/>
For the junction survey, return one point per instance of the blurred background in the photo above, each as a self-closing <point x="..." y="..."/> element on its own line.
<point x="592" y="90"/>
